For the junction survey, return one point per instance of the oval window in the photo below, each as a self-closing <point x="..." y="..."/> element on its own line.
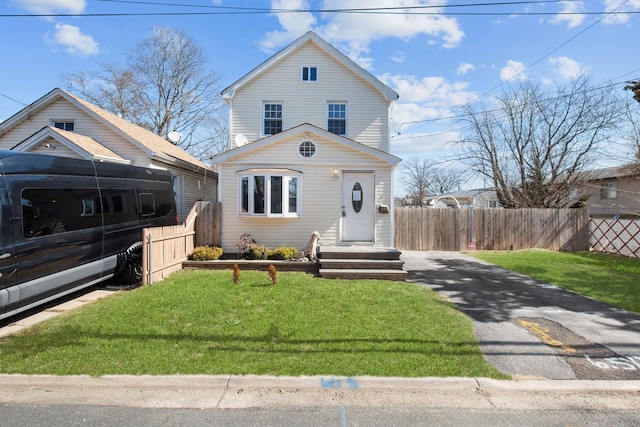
<point x="356" y="197"/>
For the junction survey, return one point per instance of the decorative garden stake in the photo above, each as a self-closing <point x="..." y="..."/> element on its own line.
<point x="273" y="274"/>
<point x="236" y="274"/>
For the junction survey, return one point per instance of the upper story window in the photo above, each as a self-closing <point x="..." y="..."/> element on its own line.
<point x="270" y="194"/>
<point x="337" y="118"/>
<point x="68" y="125"/>
<point x="609" y="190"/>
<point x="309" y="74"/>
<point x="272" y="116"/>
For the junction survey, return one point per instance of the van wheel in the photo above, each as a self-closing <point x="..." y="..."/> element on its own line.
<point x="131" y="272"/>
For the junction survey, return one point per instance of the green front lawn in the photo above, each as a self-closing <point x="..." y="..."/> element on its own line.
<point x="609" y="278"/>
<point x="199" y="322"/>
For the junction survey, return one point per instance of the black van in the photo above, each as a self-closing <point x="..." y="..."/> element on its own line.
<point x="69" y="224"/>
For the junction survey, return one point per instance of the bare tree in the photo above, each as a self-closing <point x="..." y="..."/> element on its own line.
<point x="165" y="86"/>
<point x="532" y="144"/>
<point x="445" y="180"/>
<point x="630" y="131"/>
<point x="423" y="178"/>
<point x="415" y="174"/>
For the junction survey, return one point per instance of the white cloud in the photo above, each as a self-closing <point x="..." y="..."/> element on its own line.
<point x="464" y="68"/>
<point x="51" y="6"/>
<point x="514" y="70"/>
<point x="399" y="56"/>
<point x="573" y="7"/>
<point x="425" y="103"/>
<point x="615" y="5"/>
<point x="429" y="145"/>
<point x="428" y="89"/>
<point x="567" y="68"/>
<point x="73" y="41"/>
<point x="293" y="24"/>
<point x="353" y="33"/>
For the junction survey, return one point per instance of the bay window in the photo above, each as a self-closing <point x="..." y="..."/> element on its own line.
<point x="270" y="194"/>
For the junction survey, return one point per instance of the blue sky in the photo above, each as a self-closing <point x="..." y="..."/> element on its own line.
<point x="455" y="55"/>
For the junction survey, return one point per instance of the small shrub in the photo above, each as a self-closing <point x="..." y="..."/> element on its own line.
<point x="258" y="252"/>
<point x="282" y="253"/>
<point x="206" y="253"/>
<point x="245" y="245"/>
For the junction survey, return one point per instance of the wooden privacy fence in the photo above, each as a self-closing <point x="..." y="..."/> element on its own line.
<point x="617" y="236"/>
<point x="432" y="229"/>
<point x="166" y="248"/>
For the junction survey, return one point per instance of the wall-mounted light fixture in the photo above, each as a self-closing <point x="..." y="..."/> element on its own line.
<point x="50" y="146"/>
<point x="336" y="173"/>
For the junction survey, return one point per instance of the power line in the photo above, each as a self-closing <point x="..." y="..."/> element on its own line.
<point x="497" y="110"/>
<point x="396" y="10"/>
<point x="542" y="58"/>
<point x="14" y="100"/>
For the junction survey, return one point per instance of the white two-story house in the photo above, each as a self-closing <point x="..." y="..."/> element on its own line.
<point x="309" y="152"/>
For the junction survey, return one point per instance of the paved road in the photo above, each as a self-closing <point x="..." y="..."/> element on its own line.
<point x="324" y="401"/>
<point x="529" y="329"/>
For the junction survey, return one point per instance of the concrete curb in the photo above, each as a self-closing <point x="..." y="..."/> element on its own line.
<point x="230" y="391"/>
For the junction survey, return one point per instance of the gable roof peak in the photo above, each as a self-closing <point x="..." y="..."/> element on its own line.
<point x="311" y="37"/>
<point x="150" y="143"/>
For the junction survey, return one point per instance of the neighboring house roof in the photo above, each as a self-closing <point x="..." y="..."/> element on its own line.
<point x="153" y="145"/>
<point x="305" y="128"/>
<point x="87" y="147"/>
<point x="311" y="37"/>
<point x="631" y="169"/>
<point x="468" y="194"/>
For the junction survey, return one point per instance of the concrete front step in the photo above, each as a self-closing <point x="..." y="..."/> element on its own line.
<point x="370" y="264"/>
<point x="398" y="275"/>
<point x="336" y="252"/>
<point x="357" y="262"/>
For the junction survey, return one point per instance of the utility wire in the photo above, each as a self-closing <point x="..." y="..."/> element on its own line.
<point x="535" y="63"/>
<point x="396" y="10"/>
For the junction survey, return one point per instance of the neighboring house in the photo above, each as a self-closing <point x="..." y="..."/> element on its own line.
<point x="63" y="124"/>
<point x="612" y="192"/>
<point x="309" y="135"/>
<point x="480" y="198"/>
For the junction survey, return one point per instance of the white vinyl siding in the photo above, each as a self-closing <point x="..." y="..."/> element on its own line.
<point x="307" y="103"/>
<point x="84" y="125"/>
<point x="320" y="208"/>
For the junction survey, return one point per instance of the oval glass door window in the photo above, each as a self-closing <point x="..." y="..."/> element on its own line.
<point x="356" y="197"/>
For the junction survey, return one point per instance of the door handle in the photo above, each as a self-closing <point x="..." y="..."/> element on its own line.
<point x="5" y="256"/>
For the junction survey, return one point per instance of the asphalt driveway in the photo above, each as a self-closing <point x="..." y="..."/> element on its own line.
<point x="529" y="329"/>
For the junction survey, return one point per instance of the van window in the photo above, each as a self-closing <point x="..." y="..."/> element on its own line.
<point x="48" y="211"/>
<point x="147" y="204"/>
<point x="119" y="206"/>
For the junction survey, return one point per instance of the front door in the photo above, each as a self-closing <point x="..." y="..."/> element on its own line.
<point x="358" y="207"/>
